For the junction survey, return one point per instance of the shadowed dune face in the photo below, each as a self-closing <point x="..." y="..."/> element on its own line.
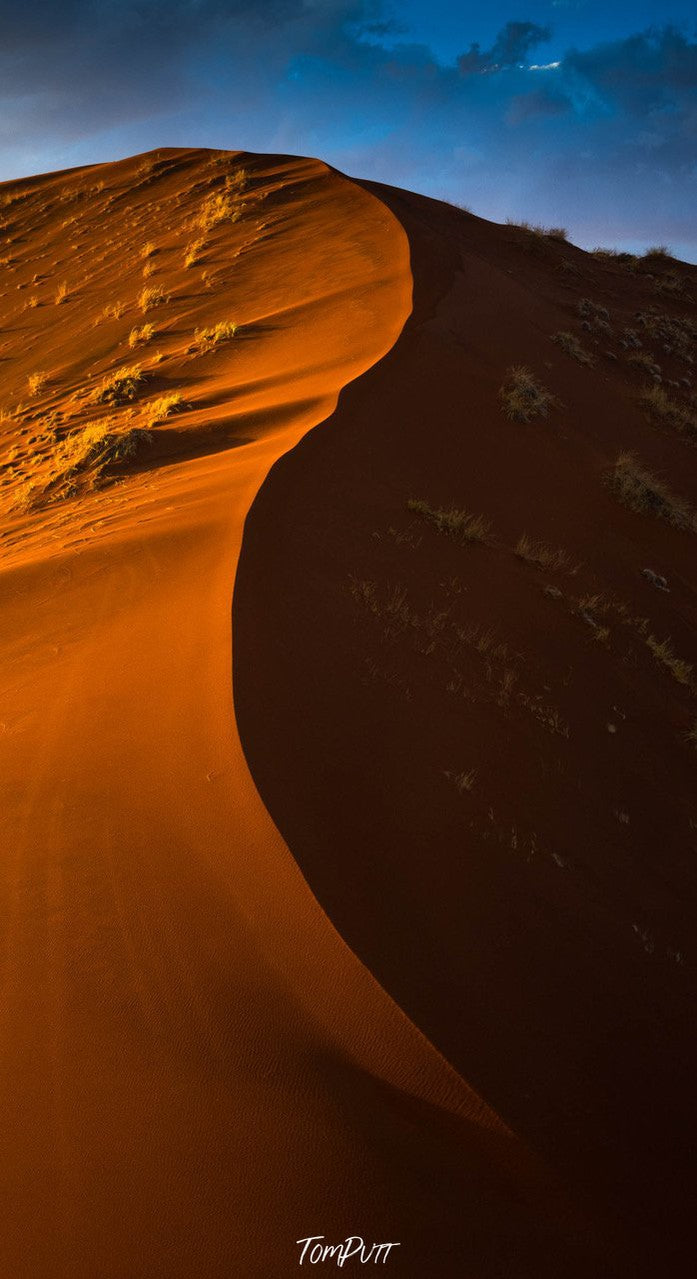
<point x="195" y="1069"/>
<point x="461" y="627"/>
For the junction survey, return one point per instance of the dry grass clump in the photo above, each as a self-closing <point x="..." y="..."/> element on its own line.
<point x="62" y="293"/>
<point x="96" y="444"/>
<point x="88" y="451"/>
<point x="660" y="407"/>
<point x="206" y="339"/>
<point x="114" y="311"/>
<point x="663" y="652"/>
<point x="462" y="781"/>
<point x="658" y="254"/>
<point x="152" y="297"/>
<point x="544" y="233"/>
<point x="638" y="489"/>
<point x="36" y="382"/>
<point x="148" y="250"/>
<point x="120" y="387"/>
<point x="541" y="556"/>
<point x="157" y="410"/>
<point x="645" y="362"/>
<point x="571" y="345"/>
<point x="594" y="315"/>
<point x="522" y="397"/>
<point x="678" y="334"/>
<point x="140" y="334"/>
<point x="670" y="285"/>
<point x="455" y="523"/>
<point x="223" y="205"/>
<point x="193" y="253"/>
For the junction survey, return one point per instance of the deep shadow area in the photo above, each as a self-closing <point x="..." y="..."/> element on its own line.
<point x="536" y="923"/>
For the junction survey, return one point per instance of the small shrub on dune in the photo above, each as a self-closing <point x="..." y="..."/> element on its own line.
<point x="163" y="407"/>
<point x="193" y="253"/>
<point x="224" y="205"/>
<point x="206" y="339"/>
<point x="641" y="491"/>
<point x="542" y="232"/>
<point x="539" y="555"/>
<point x="658" y="254"/>
<point x="661" y="408"/>
<point x="114" y="311"/>
<point x="36" y="383"/>
<point x="594" y="316"/>
<point x="522" y="397"/>
<point x="120" y="387"/>
<point x="645" y="363"/>
<point x="571" y="346"/>
<point x="152" y="297"/>
<point x="62" y="293"/>
<point x="141" y="334"/>
<point x="663" y="653"/>
<point x="96" y="444"/>
<point x="457" y="524"/>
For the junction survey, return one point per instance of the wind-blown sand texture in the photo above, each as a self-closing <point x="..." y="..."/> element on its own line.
<point x="198" y="1069"/>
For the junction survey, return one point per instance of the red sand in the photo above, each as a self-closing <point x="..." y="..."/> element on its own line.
<point x="197" y="1071"/>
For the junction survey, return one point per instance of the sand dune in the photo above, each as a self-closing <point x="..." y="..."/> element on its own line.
<point x="197" y="1071"/>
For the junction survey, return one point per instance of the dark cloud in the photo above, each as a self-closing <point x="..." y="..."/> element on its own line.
<point x="603" y="134"/>
<point x="527" y="106"/>
<point x="511" y="48"/>
<point x="650" y="70"/>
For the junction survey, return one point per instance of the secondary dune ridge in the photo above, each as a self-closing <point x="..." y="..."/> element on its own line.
<point x="196" y="1070"/>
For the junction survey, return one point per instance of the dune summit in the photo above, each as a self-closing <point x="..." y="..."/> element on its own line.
<point x="356" y="906"/>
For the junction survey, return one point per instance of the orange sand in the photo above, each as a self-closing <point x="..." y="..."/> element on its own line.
<point x="196" y="1070"/>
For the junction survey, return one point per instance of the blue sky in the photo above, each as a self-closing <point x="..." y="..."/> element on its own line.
<point x="580" y="113"/>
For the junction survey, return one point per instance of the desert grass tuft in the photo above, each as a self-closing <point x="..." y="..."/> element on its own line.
<point x="208" y="338"/>
<point x="164" y="406"/>
<point x="458" y="524"/>
<point x="36" y="383"/>
<point x="641" y="491"/>
<point x="120" y="387"/>
<point x="152" y="297"/>
<point x="541" y="556"/>
<point x="571" y="345"/>
<point x="464" y="781"/>
<point x="141" y="334"/>
<point x="522" y="397"/>
<point x="224" y="205"/>
<point x="663" y="653"/>
<point x="661" y="408"/>
<point x="193" y="253"/>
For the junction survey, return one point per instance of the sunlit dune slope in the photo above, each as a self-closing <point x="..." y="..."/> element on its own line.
<point x="196" y="1070"/>
<point x="475" y="617"/>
